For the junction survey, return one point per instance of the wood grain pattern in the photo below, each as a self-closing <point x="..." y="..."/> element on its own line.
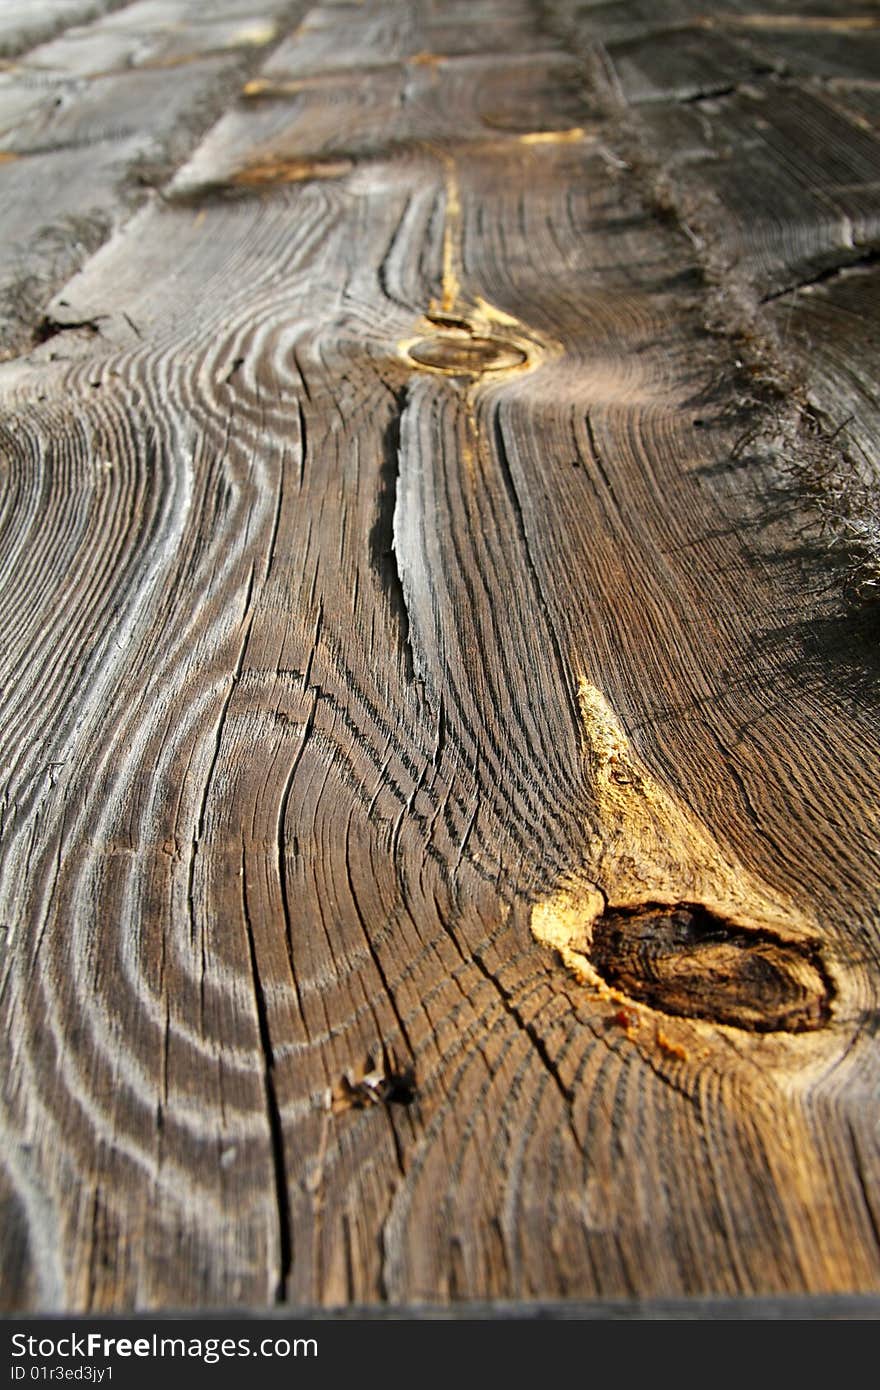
<point x="386" y="596"/>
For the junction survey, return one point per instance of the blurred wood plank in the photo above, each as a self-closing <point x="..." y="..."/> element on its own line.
<point x="24" y="23"/>
<point x="93" y="120"/>
<point x="439" y="834"/>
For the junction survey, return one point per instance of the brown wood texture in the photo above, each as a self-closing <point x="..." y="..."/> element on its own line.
<point x="439" y="733"/>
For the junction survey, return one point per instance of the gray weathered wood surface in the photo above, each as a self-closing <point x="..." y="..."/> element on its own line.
<point x="438" y="476"/>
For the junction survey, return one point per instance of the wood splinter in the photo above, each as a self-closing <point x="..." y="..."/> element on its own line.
<point x="384" y="1083"/>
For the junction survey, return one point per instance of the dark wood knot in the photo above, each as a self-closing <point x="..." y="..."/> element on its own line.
<point x="684" y="960"/>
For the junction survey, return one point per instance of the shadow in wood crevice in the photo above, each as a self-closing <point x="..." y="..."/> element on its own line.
<point x="381" y="539"/>
<point x="840" y="650"/>
<point x="804" y="495"/>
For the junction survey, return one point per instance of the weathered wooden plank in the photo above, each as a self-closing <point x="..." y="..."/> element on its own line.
<point x="776" y="183"/>
<point x="840" y="56"/>
<point x="745" y="117"/>
<point x="778" y="191"/>
<point x="682" y="65"/>
<point x="830" y="334"/>
<point x="779" y="181"/>
<point x="24" y="23"/>
<point x="294" y="128"/>
<point x="388" y="613"/>
<point x="99" y="116"/>
<point x="861" y="103"/>
<point x="98" y="50"/>
<point x="616" y="21"/>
